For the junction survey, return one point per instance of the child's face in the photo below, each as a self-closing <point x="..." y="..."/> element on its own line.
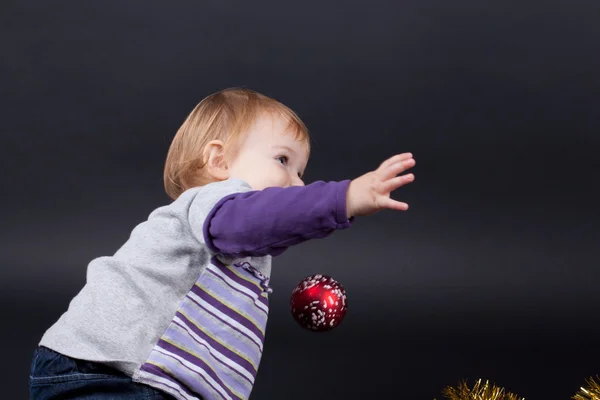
<point x="270" y="156"/>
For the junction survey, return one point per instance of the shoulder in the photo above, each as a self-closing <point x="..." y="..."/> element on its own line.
<point x="202" y="199"/>
<point x="215" y="190"/>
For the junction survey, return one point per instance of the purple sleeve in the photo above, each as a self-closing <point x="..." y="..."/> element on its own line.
<point x="259" y="223"/>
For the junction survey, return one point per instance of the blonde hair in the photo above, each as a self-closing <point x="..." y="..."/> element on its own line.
<point x="225" y="115"/>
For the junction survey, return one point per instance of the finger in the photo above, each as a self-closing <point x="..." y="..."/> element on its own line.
<point x="395" y="159"/>
<point x="394" y="183"/>
<point x="397" y="168"/>
<point x="392" y="204"/>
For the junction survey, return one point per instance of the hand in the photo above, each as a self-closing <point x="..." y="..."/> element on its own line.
<point x="371" y="192"/>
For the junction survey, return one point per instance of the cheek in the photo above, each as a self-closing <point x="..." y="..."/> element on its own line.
<point x="278" y="175"/>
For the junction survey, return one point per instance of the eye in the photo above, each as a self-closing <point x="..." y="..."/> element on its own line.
<point x="283" y="160"/>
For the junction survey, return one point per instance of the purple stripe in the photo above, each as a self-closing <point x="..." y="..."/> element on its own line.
<point x="256" y="289"/>
<point x="231" y="378"/>
<point x="195" y="382"/>
<point x="154" y="370"/>
<point x="255" y="300"/>
<point x="226" y="271"/>
<point x="260" y="290"/>
<point x="244" y="303"/>
<point x="197" y="362"/>
<point x="227" y="311"/>
<point x="229" y="334"/>
<point x="259" y="344"/>
<point x="217" y="346"/>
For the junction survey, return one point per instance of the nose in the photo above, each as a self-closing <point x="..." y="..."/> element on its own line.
<point x="296" y="181"/>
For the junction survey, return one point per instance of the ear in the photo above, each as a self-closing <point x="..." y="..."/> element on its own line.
<point x="216" y="164"/>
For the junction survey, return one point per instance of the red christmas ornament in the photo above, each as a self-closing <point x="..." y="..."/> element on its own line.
<point x="319" y="303"/>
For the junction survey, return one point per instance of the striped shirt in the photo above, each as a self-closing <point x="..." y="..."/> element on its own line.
<point x="182" y="306"/>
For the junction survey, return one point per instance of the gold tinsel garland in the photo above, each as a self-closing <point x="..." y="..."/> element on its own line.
<point x="488" y="391"/>
<point x="592" y="392"/>
<point x="480" y="391"/>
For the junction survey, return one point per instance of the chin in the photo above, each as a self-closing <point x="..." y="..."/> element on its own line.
<point x="261" y="187"/>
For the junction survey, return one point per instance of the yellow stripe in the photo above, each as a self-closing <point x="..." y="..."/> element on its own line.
<point x="160" y="366"/>
<point x="241" y="336"/>
<point x="233" y="269"/>
<point x="217" y="280"/>
<point x="197" y="356"/>
<point x="235" y="311"/>
<point x="217" y="340"/>
<point x="263" y="292"/>
<point x="171" y="374"/>
<point x="167" y="371"/>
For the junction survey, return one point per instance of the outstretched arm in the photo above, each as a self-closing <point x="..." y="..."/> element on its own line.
<point x="264" y="222"/>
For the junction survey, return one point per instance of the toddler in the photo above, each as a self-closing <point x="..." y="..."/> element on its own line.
<point x="180" y="310"/>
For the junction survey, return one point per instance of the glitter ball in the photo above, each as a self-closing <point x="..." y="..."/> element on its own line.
<point x="318" y="303"/>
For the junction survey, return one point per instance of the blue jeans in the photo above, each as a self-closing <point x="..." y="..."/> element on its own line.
<point x="56" y="376"/>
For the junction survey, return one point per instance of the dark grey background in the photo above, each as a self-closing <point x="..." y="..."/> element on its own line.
<point x="492" y="273"/>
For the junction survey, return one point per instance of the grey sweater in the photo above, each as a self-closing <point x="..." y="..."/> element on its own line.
<point x="136" y="305"/>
